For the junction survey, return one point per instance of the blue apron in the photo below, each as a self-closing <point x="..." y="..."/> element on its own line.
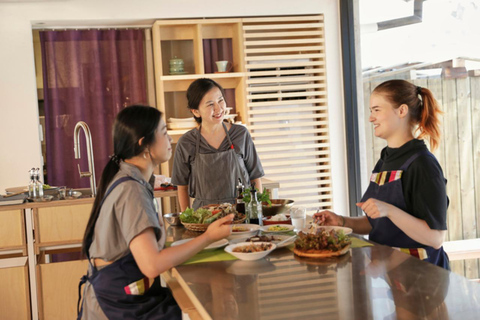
<point x="386" y="186"/>
<point x="123" y="292"/>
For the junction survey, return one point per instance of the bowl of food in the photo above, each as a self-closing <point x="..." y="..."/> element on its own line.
<point x="277" y="219"/>
<point x="173" y="219"/>
<point x="199" y="220"/>
<point x="277" y="206"/>
<point x="250" y="251"/>
<point x="243" y="231"/>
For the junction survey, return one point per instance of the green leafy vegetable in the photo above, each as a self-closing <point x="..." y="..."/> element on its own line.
<point x="262" y="197"/>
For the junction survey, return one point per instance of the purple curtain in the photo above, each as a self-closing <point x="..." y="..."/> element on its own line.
<point x="88" y="75"/>
<point x="218" y="50"/>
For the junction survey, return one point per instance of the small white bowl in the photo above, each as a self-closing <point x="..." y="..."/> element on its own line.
<point x="252" y="229"/>
<point x="250" y="255"/>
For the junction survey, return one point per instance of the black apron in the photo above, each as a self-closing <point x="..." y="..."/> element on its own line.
<point x="215" y="175"/>
<point x="123" y="292"/>
<point x="387" y="186"/>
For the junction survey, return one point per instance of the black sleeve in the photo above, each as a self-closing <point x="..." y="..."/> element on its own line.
<point x="425" y="192"/>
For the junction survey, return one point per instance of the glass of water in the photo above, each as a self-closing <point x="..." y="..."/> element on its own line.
<point x="298" y="216"/>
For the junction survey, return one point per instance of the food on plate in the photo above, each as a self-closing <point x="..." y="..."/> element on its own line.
<point x="239" y="229"/>
<point x="278" y="228"/>
<point x="322" y="243"/>
<point x="253" y="248"/>
<point x="279" y="217"/>
<point x="209" y="214"/>
<point x="262" y="239"/>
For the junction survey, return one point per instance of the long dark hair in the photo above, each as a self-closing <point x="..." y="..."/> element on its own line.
<point x="197" y="90"/>
<point x="422" y="106"/>
<point x="131" y="124"/>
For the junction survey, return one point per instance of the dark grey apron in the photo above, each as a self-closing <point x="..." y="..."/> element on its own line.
<point x="215" y="175"/>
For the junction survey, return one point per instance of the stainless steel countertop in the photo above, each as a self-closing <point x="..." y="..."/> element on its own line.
<point x="367" y="283"/>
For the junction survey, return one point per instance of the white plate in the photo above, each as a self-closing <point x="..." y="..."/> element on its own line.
<point x="287" y="228"/>
<point x="280" y="238"/>
<point x="344" y="229"/>
<point x="252" y="230"/>
<point x="250" y="255"/>
<point x="217" y="244"/>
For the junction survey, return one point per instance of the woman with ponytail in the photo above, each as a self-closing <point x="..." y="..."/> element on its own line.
<point x="406" y="201"/>
<point x="124" y="239"/>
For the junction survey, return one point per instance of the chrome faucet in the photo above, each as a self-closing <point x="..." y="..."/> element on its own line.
<point x="76" y="147"/>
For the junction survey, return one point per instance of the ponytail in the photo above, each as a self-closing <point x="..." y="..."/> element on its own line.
<point x="429" y="122"/>
<point x="109" y="172"/>
<point x="424" y="112"/>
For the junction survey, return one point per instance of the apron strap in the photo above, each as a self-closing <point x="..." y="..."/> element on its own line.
<point x="407" y="163"/>
<point x="83" y="279"/>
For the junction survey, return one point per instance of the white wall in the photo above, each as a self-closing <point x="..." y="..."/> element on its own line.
<point x="19" y="137"/>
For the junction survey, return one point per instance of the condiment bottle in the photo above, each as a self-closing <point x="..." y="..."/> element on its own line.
<point x="240" y="204"/>
<point x="32" y="193"/>
<point x="38" y="184"/>
<point x="255" y="208"/>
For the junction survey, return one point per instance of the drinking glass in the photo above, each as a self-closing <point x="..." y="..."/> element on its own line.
<point x="298" y="216"/>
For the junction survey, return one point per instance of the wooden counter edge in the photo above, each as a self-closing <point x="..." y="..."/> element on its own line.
<point x="181" y="296"/>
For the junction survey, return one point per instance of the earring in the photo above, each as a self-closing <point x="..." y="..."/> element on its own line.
<point x="145" y="155"/>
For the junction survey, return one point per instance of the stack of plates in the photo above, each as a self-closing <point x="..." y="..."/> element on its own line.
<point x="181" y="123"/>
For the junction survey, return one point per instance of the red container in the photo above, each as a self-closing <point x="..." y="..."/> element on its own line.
<point x="267" y="221"/>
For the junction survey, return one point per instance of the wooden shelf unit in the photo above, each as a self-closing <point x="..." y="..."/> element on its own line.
<point x="279" y="78"/>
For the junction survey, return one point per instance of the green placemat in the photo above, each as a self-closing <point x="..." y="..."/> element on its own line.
<point x="359" y="243"/>
<point x="208" y="256"/>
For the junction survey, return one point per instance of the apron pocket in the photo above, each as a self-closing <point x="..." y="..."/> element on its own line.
<point x="139" y="287"/>
<point x="419" y="253"/>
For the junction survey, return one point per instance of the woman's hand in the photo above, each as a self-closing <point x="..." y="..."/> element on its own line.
<point x="327" y="218"/>
<point x="375" y="208"/>
<point x="220" y="229"/>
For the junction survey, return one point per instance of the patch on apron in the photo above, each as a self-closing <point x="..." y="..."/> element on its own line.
<point x="419" y="253"/>
<point x="384" y="177"/>
<point x="138" y="287"/>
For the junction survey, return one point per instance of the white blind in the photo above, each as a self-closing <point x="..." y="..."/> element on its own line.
<point x="287" y="105"/>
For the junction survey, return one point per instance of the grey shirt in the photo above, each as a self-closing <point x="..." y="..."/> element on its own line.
<point x="185" y="153"/>
<point x="126" y="212"/>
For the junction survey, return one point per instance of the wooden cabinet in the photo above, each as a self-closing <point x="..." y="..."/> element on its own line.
<point x="60" y="224"/>
<point x="14" y="289"/>
<point x="12" y="231"/>
<point x="58" y="288"/>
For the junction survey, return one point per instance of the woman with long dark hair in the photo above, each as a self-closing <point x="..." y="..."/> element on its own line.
<point x="406" y="201"/>
<point x="124" y="239"/>
<point x="210" y="159"/>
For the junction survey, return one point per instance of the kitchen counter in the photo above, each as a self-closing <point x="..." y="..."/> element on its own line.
<point x="374" y="282"/>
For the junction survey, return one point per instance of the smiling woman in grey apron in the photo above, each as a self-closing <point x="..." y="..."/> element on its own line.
<point x="406" y="201"/>
<point x="210" y="159"/>
<point x="124" y="239"/>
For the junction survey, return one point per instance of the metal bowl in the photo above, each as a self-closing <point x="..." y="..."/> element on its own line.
<point x="173" y="219"/>
<point x="278" y="206"/>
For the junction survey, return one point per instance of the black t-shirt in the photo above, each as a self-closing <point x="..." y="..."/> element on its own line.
<point x="423" y="183"/>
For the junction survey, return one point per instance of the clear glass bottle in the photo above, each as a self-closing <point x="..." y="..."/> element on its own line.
<point x="38" y="184"/>
<point x="32" y="193"/>
<point x="255" y="208"/>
